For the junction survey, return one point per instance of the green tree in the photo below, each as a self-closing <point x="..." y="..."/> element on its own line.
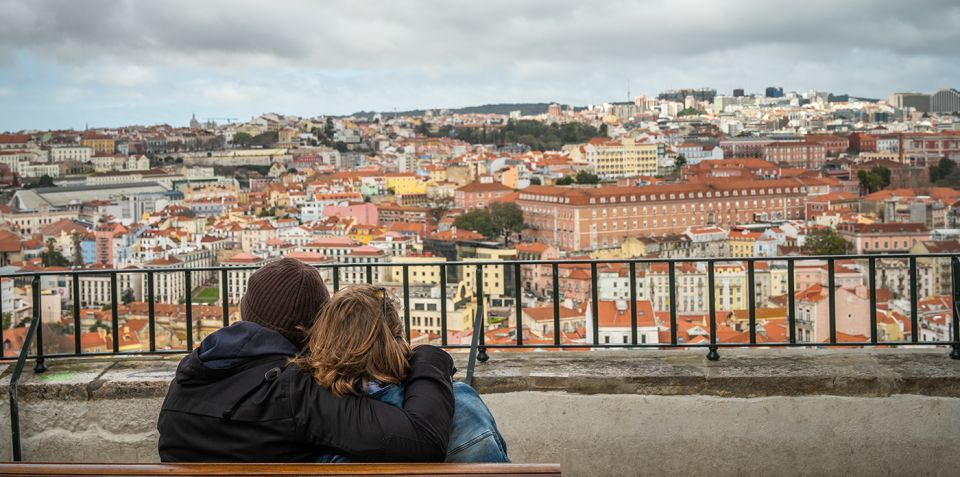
<point x="242" y="139"/>
<point x="584" y="177"/>
<point x="535" y="181"/>
<point x="825" y="241"/>
<point x="565" y="180"/>
<point x="603" y="131"/>
<point x="875" y="179"/>
<point x="52" y="257"/>
<point x="478" y="220"/>
<point x="7" y="320"/>
<point x="507" y="220"/>
<point x="77" y="249"/>
<point x="945" y="173"/>
<point x="127" y="296"/>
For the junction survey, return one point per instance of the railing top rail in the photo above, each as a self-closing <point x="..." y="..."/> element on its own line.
<point x="460" y="263"/>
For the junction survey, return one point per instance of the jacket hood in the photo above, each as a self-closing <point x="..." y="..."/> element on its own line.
<point x="229" y="350"/>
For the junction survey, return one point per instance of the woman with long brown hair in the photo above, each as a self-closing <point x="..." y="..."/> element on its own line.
<point x="356" y="346"/>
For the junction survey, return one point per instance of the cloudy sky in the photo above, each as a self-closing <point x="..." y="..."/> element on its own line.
<point x="71" y="63"/>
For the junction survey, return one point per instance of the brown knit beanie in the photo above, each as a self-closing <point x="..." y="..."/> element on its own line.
<point x="284" y="296"/>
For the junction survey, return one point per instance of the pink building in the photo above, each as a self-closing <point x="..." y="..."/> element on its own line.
<point x="880" y="238"/>
<point x="365" y="213"/>
<point x="478" y="195"/>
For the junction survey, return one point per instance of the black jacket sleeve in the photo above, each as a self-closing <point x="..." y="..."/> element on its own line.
<point x="365" y="429"/>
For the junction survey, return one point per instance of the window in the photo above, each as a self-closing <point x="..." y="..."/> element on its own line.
<point x="606" y="340"/>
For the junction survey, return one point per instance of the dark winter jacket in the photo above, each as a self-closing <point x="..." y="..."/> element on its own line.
<point x="237" y="399"/>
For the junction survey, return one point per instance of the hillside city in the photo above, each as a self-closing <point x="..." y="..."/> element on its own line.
<point x="689" y="174"/>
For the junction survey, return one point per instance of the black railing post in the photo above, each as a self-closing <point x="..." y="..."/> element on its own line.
<point x="38" y="316"/>
<point x="832" y="297"/>
<point x="369" y="270"/>
<point x="475" y="340"/>
<point x="594" y="304"/>
<point x="712" y="354"/>
<point x="225" y="302"/>
<point x="481" y="322"/>
<point x="443" y="305"/>
<point x="752" y="300"/>
<point x="955" y="269"/>
<point x="76" y="313"/>
<point x="872" y="288"/>
<point x="336" y="278"/>
<point x="518" y="292"/>
<point x="14" y="380"/>
<point x="114" y="312"/>
<point x="406" y="300"/>
<point x="188" y="285"/>
<point x="791" y="303"/>
<point x="914" y="301"/>
<point x="672" y="294"/>
<point x="151" y="312"/>
<point x="556" y="304"/>
<point x="633" y="302"/>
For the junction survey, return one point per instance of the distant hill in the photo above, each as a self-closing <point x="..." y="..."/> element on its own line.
<point x="526" y="109"/>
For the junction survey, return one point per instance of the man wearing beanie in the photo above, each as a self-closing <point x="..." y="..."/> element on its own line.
<point x="237" y="398"/>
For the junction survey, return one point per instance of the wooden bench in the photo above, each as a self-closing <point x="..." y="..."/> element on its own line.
<point x="264" y="470"/>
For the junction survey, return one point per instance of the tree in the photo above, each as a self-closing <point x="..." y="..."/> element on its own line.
<point x="52" y="257"/>
<point x="565" y="180"/>
<point x="242" y="139"/>
<point x="875" y="179"/>
<point x="438" y="205"/>
<point x="77" y="249"/>
<point x="535" y="181"/>
<point x="507" y="219"/>
<point x="127" y="296"/>
<point x="945" y="173"/>
<point x="602" y="131"/>
<point x="826" y="241"/>
<point x="7" y="320"/>
<point x="478" y="220"/>
<point x="584" y="177"/>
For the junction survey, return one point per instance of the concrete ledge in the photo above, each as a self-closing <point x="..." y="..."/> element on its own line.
<point x="638" y="412"/>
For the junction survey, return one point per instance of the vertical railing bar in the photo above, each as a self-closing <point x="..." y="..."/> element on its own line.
<point x="752" y="300"/>
<point x="955" y="287"/>
<point x="406" y="300"/>
<point x="872" y="288"/>
<point x="336" y="278"/>
<point x="594" y="302"/>
<point x="672" y="294"/>
<point x="518" y="292"/>
<point x="832" y="296"/>
<point x="14" y="381"/>
<point x="151" y="311"/>
<point x="369" y="273"/>
<point x="225" y="302"/>
<point x="75" y="285"/>
<point x="556" y="303"/>
<point x="187" y="283"/>
<point x="481" y="318"/>
<point x="791" y="303"/>
<point x="38" y="316"/>
<point x="114" y="312"/>
<point x="443" y="305"/>
<point x="632" y="266"/>
<point x="712" y="306"/>
<point x="475" y="339"/>
<point x="914" y="299"/>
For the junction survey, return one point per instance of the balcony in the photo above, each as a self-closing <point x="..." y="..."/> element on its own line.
<point x="726" y="391"/>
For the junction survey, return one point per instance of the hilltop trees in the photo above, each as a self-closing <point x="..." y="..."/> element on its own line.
<point x="501" y="221"/>
<point x="826" y="241"/>
<point x="875" y="179"/>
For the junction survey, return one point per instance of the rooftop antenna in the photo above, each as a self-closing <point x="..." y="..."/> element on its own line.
<point x="628" y="90"/>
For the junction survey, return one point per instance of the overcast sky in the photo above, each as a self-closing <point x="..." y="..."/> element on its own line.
<point x="71" y="63"/>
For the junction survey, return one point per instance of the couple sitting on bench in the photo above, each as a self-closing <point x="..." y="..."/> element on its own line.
<point x="306" y="377"/>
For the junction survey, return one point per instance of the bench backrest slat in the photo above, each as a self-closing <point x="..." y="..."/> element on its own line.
<point x="264" y="470"/>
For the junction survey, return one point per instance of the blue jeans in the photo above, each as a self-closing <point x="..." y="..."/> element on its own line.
<point x="474" y="438"/>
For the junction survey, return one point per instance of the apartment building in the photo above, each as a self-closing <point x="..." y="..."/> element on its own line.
<point x="626" y="157"/>
<point x="572" y="218"/>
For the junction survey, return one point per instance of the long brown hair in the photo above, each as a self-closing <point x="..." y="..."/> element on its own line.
<point x="357" y="337"/>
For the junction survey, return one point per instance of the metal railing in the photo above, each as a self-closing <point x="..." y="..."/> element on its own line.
<point x="478" y="346"/>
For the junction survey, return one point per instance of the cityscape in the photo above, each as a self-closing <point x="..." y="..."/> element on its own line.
<point x="388" y="197"/>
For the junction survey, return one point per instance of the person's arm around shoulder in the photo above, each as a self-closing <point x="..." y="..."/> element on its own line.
<point x="369" y="430"/>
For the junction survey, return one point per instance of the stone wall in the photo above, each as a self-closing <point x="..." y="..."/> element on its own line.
<point x="803" y="412"/>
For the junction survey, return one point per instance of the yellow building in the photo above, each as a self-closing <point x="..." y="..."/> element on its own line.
<point x="511" y="177"/>
<point x="100" y="143"/>
<point x="419" y="274"/>
<point x="404" y="183"/>
<point x="730" y="281"/>
<point x="623" y="158"/>
<point x="741" y="243"/>
<point x="437" y="173"/>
